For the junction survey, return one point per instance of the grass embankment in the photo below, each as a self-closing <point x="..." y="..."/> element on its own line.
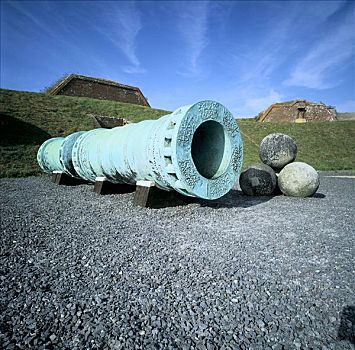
<point x="28" y="119"/>
<point x="324" y="145"/>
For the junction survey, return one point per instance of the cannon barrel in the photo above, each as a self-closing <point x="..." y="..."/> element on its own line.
<point x="196" y="150"/>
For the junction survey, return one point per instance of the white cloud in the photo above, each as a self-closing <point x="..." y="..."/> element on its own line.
<point x="193" y="25"/>
<point x="260" y="60"/>
<point x="128" y="19"/>
<point x="255" y="105"/>
<point x="246" y="101"/>
<point x="123" y="26"/>
<point x="57" y="35"/>
<point x="317" y="68"/>
<point x="133" y="69"/>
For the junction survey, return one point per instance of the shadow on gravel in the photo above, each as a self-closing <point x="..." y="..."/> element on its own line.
<point x="347" y="324"/>
<point x="235" y="199"/>
<point x="318" y="195"/>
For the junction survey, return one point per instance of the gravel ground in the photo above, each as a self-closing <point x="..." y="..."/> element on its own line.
<point x="79" y="270"/>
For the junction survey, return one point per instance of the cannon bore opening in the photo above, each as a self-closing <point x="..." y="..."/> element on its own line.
<point x="211" y="149"/>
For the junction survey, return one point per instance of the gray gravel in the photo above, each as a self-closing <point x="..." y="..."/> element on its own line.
<point x="79" y="270"/>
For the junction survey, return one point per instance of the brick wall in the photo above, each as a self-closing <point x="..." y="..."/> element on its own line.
<point x="101" y="91"/>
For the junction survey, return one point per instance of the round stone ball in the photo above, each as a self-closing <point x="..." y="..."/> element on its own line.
<point x="277" y="150"/>
<point x="298" y="180"/>
<point x="258" y="180"/>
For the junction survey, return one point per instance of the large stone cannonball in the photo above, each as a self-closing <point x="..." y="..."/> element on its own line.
<point x="277" y="150"/>
<point x="258" y="180"/>
<point x="298" y="180"/>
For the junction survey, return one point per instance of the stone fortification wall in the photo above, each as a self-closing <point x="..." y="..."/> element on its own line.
<point x="299" y="110"/>
<point x="102" y="91"/>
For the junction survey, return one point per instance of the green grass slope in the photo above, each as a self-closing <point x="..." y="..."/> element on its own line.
<point x="324" y="145"/>
<point x="28" y="119"/>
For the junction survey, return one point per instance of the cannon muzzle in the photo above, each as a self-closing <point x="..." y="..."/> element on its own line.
<point x="196" y="150"/>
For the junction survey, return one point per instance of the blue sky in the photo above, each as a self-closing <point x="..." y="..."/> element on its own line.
<point x="244" y="54"/>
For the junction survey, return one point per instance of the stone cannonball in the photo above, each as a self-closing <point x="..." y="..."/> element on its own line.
<point x="277" y="150"/>
<point x="258" y="180"/>
<point x="298" y="180"/>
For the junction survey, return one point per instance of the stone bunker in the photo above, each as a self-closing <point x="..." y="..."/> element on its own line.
<point x="298" y="111"/>
<point x="102" y="89"/>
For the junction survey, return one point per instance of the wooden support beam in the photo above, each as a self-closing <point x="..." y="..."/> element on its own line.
<point x="148" y="195"/>
<point x="61" y="178"/>
<point x="103" y="186"/>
